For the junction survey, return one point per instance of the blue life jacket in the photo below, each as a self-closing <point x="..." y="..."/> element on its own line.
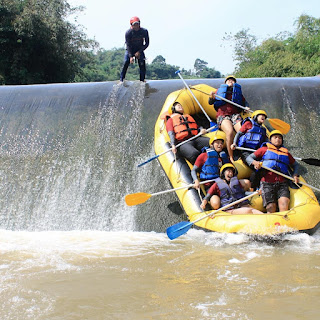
<point x="276" y="158"/>
<point x="254" y="138"/>
<point x="211" y="169"/>
<point x="231" y="192"/>
<point x="222" y="92"/>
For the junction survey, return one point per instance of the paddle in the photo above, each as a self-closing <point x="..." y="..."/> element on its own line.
<point x="288" y="177"/>
<point x="194" y="97"/>
<point x="311" y="161"/>
<point x="178" y="145"/>
<point x="275" y="123"/>
<point x="141" y="197"/>
<point x="181" y="228"/>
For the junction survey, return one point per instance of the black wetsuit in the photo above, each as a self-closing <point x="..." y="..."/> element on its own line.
<point x="135" y="41"/>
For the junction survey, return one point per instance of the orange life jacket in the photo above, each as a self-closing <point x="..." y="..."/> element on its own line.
<point x="276" y="158"/>
<point x="183" y="126"/>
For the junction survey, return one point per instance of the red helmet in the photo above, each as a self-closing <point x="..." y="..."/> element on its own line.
<point x="134" y="20"/>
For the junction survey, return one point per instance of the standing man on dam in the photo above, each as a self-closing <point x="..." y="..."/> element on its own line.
<point x="137" y="40"/>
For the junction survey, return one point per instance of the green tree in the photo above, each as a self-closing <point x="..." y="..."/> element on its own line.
<point x="38" y="44"/>
<point x="285" y="55"/>
<point x="159" y="59"/>
<point x="200" y="65"/>
<point x="202" y="70"/>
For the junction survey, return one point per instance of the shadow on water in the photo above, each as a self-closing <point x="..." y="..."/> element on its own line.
<point x="69" y="152"/>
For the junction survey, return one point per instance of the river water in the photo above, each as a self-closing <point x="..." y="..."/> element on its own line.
<point x="144" y="275"/>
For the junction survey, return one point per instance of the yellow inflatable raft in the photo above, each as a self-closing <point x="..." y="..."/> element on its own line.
<point x="304" y="210"/>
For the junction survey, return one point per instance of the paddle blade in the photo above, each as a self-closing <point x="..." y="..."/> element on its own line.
<point x="178" y="229"/>
<point x="136" y="198"/>
<point x="280" y="125"/>
<point x="312" y="161"/>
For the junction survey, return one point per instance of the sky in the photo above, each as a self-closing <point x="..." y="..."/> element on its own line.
<point x="182" y="31"/>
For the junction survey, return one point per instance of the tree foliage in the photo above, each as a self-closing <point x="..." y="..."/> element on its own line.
<point x="38" y="44"/>
<point x="106" y="65"/>
<point x="285" y="55"/>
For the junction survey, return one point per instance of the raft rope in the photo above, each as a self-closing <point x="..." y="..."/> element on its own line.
<point x="285" y="216"/>
<point x="305" y="192"/>
<point x="193" y="103"/>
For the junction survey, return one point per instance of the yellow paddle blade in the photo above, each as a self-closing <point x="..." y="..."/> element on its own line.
<point x="136" y="198"/>
<point x="280" y="125"/>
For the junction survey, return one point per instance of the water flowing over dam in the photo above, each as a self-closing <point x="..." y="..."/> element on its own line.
<point x="69" y="152"/>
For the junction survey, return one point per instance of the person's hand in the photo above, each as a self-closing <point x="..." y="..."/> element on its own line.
<point x="257" y="164"/>
<point x="212" y="95"/>
<point x="132" y="60"/>
<point x="296" y="179"/>
<point x="203" y="204"/>
<point x="196" y="184"/>
<point x="246" y="110"/>
<point x="137" y="55"/>
<point x="203" y="131"/>
<point x="174" y="149"/>
<point x="233" y="147"/>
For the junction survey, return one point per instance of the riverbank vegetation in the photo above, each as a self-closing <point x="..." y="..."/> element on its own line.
<point x="38" y="44"/>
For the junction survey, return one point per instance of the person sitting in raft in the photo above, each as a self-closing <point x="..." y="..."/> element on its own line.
<point x="228" y="115"/>
<point x="275" y="188"/>
<point x="181" y="127"/>
<point x="252" y="135"/>
<point x="210" y="161"/>
<point x="228" y="189"/>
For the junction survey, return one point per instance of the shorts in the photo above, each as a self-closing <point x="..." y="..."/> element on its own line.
<point x="235" y="118"/>
<point x="271" y="192"/>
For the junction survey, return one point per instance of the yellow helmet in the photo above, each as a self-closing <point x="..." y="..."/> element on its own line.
<point x="230" y="77"/>
<point x="217" y="136"/>
<point x="257" y="112"/>
<point x="227" y="165"/>
<point x="275" y="132"/>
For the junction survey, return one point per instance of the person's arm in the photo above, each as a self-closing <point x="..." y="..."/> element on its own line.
<point x="172" y="136"/>
<point x="212" y="100"/>
<point x="296" y="168"/>
<point x="194" y="172"/>
<point x="201" y="159"/>
<point x="254" y="158"/>
<point x="244" y="129"/>
<point x="128" y="43"/>
<point x="213" y="190"/>
<point x="146" y="41"/>
<point x="237" y="137"/>
<point x="194" y="176"/>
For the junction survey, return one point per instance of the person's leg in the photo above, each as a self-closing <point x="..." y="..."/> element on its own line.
<point x="215" y="202"/>
<point x="255" y="179"/>
<point x="142" y="66"/>
<point x="245" y="210"/>
<point x="283" y="203"/>
<point x="189" y="152"/>
<point x="237" y="126"/>
<point x="126" y="63"/>
<point x="246" y="184"/>
<point x="236" y="121"/>
<point x="269" y="194"/>
<point x="283" y="196"/>
<point x="201" y="142"/>
<point x="227" y="128"/>
<point x="271" y="207"/>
